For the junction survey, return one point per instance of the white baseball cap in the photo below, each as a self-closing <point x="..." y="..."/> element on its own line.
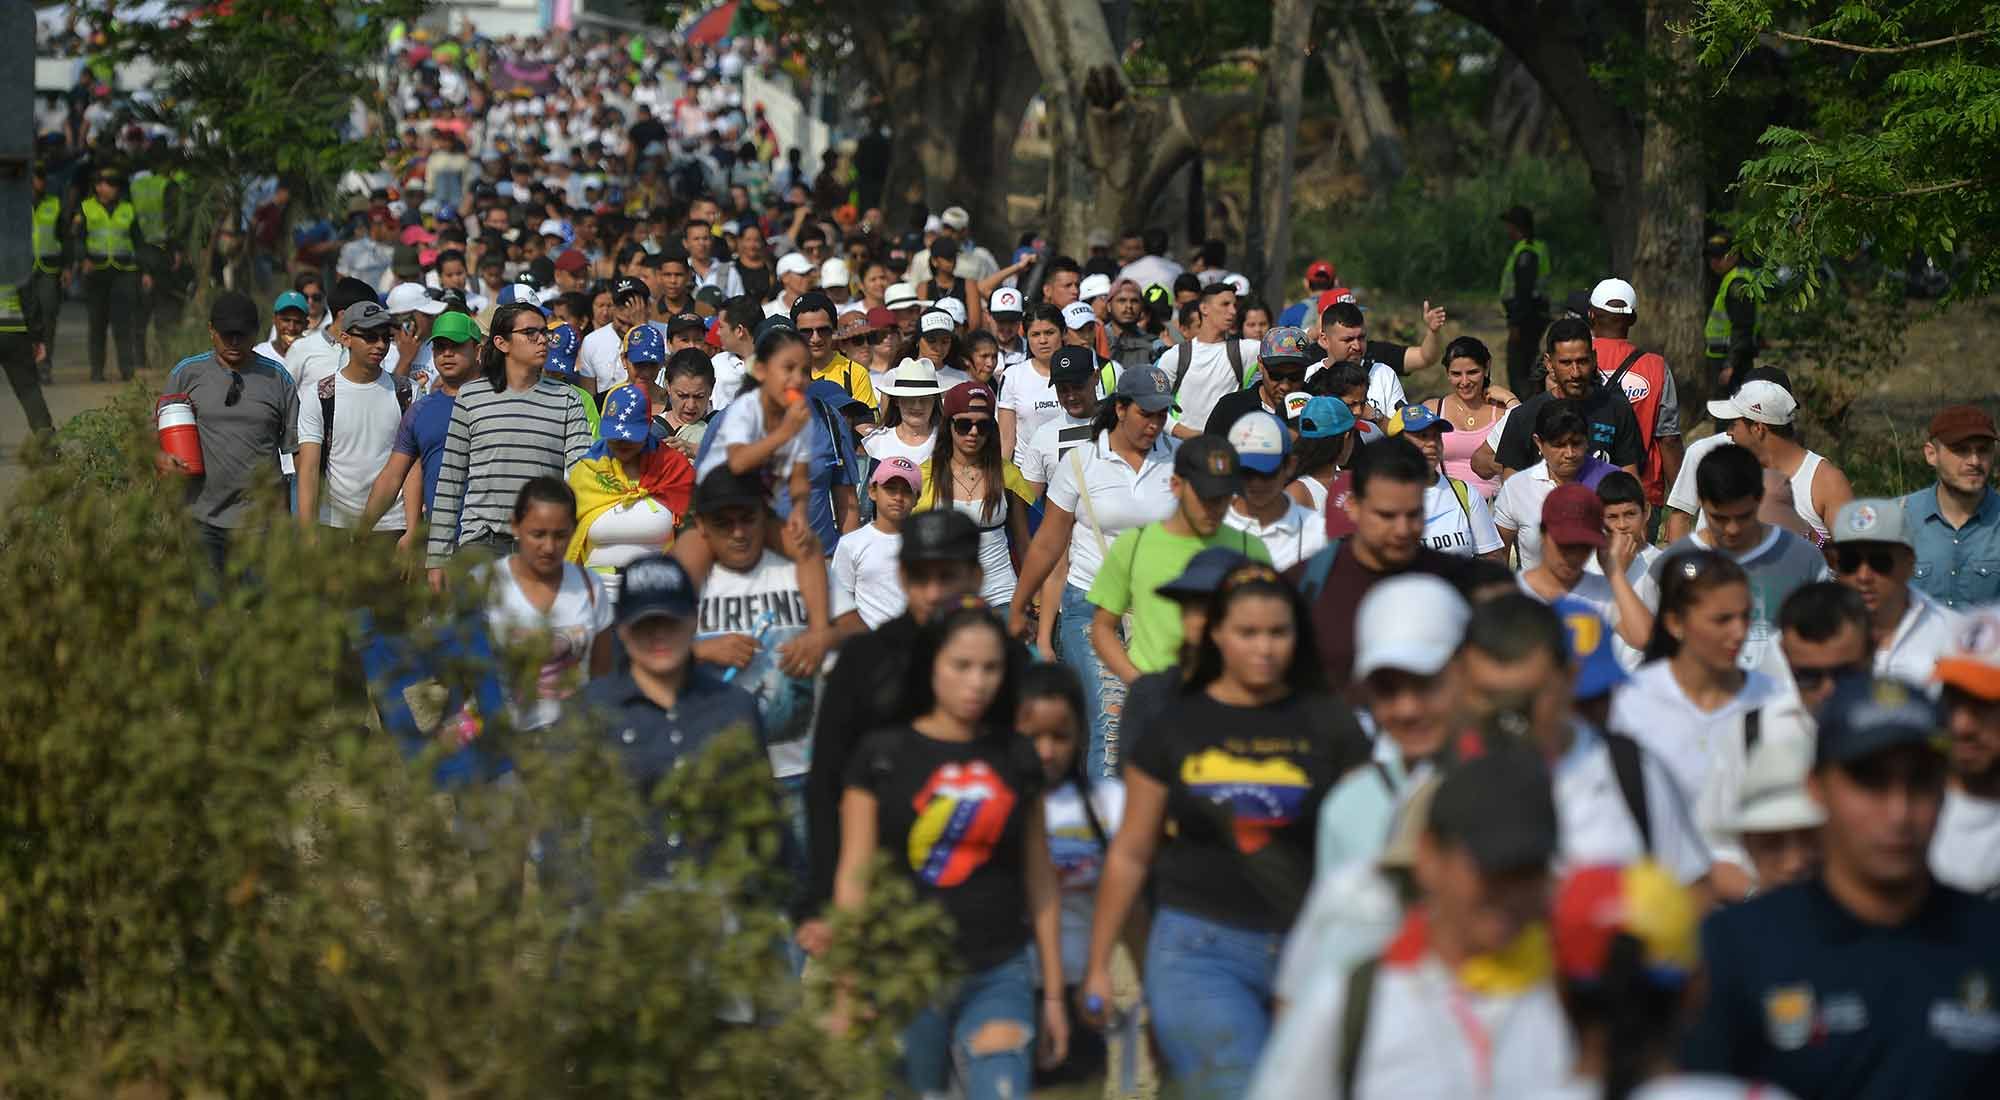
<point x="1761" y="401"/>
<point x="413" y="298"/>
<point x="1773" y="796"/>
<point x="933" y="223"/>
<point x="833" y="273"/>
<point x="1239" y="283"/>
<point x="1078" y="314"/>
<point x="901" y="296"/>
<point x="954" y="307"/>
<point x="935" y="319"/>
<point x="1094" y="287"/>
<point x="1614" y="296"/>
<point x="1413" y="622"/>
<point x="795" y="263"/>
<point x="1261" y="442"/>
<point x="955" y="218"/>
<point x="1004" y="300"/>
<point x="552" y="228"/>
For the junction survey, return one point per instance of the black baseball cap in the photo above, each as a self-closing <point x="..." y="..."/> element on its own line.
<point x="1869" y="714"/>
<point x="1072" y="364"/>
<point x="1211" y="465"/>
<point x="654" y="585"/>
<point x="812" y="301"/>
<point x="723" y="488"/>
<point x="625" y="287"/>
<point x="1500" y="807"/>
<point x="233" y="314"/>
<point x="947" y="535"/>
<point x="682" y="322"/>
<point x="1203" y="575"/>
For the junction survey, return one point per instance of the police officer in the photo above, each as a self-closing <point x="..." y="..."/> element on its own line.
<point x="1731" y="331"/>
<point x="1524" y="298"/>
<point x="107" y="224"/>
<point x="21" y="347"/>
<point x="156" y="200"/>
<point x="50" y="277"/>
<point x="1870" y="979"/>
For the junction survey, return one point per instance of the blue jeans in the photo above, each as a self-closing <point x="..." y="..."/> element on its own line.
<point x="942" y="1036"/>
<point x="1103" y="691"/>
<point x="1209" y="988"/>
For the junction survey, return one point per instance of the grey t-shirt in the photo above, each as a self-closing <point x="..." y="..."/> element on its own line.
<point x="240" y="441"/>
<point x="1780" y="563"/>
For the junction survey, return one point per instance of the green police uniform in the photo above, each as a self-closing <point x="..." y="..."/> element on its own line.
<point x="45" y="290"/>
<point x="111" y="240"/>
<point x="1731" y="331"/>
<point x="1526" y="305"/>
<point x="18" y="334"/>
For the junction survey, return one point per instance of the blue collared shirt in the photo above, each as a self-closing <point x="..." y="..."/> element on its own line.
<point x="1958" y="567"/>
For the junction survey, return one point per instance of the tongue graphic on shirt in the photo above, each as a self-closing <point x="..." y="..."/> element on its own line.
<point x="961" y="812"/>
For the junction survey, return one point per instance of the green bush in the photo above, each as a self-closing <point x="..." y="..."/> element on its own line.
<point x="1432" y="236"/>
<point x="219" y="878"/>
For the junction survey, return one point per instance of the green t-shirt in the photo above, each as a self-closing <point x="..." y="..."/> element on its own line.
<point x="1140" y="561"/>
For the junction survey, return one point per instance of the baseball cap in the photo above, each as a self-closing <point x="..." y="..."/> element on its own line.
<point x="898" y="468"/>
<point x="1773" y="798"/>
<point x="644" y="344"/>
<point x="626" y="287"/>
<point x="967" y="397"/>
<point x="1210" y="465"/>
<point x="626" y="417"/>
<point x="935" y="320"/>
<point x="1500" y="808"/>
<point x="519" y="294"/>
<point x="550" y="227"/>
<point x="1146" y="385"/>
<point x="654" y="585"/>
<point x="1261" y="441"/>
<point x="1415" y="418"/>
<point x="1412" y="621"/>
<point x="1872" y="519"/>
<point x="234" y="314"/>
<point x="954" y="308"/>
<point x="812" y="301"/>
<point x="456" y="328"/>
<point x="1614" y="296"/>
<point x="1078" y="315"/>
<point x="291" y="299"/>
<point x="1590" y="650"/>
<point x="564" y="345"/>
<point x="413" y="298"/>
<point x="572" y="261"/>
<point x="1572" y="515"/>
<point x="1098" y="238"/>
<point x="1319" y="269"/>
<point x="912" y="378"/>
<point x="1972" y="661"/>
<point x="1330" y="298"/>
<point x="1006" y="302"/>
<point x="1072" y="364"/>
<point x="1203" y="574"/>
<point x="1595" y="905"/>
<point x="1286" y="344"/>
<point x="834" y="273"/>
<point x="901" y="296"/>
<point x="1093" y="287"/>
<point x="359" y="317"/>
<point x="795" y="263"/>
<point x="955" y="217"/>
<point x="1763" y="402"/>
<point x="1867" y="714"/>
<point x="1325" y="418"/>
<point x="776" y="323"/>
<point x="686" y="322"/>
<point x="940" y="535"/>
<point x="724" y="488"/>
<point x="1954" y="424"/>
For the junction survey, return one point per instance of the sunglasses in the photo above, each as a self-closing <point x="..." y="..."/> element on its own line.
<point x="965" y="425"/>
<point x="1814" y="677"/>
<point x="235" y="393"/>
<point x="380" y="336"/>
<point x="1849" y="559"/>
<point x="1293" y="377"/>
<point x="816" y="332"/>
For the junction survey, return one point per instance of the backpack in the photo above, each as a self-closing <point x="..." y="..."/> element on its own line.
<point x="1317" y="567"/>
<point x="1628" y="767"/>
<point x="1354" y="1011"/>
<point x="404" y="395"/>
<point x="1184" y="355"/>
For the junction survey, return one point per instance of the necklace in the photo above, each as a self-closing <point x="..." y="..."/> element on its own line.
<point x="1471" y="416"/>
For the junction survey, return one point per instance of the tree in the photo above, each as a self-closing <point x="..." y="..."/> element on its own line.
<point x="1897" y="155"/>
<point x="1268" y="252"/>
<point x="1668" y="269"/>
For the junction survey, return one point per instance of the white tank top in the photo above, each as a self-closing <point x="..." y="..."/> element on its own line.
<point x="1802" y="499"/>
<point x="1316" y="490"/>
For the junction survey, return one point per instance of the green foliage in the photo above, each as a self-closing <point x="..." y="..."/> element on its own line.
<point x="1437" y="235"/>
<point x="219" y="878"/>
<point x="1179" y="39"/>
<point x="1897" y="154"/>
<point x="1836" y="347"/>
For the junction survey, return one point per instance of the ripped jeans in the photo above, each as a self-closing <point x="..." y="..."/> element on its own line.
<point x="947" y="1035"/>
<point x="1103" y="691"/>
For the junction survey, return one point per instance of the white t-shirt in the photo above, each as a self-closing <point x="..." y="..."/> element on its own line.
<point x="1036" y="458"/>
<point x="1923" y="634"/>
<point x="764" y="602"/>
<point x="1700" y="1086"/>
<point x="1652" y="709"/>
<point x="1209" y="376"/>
<point x="1118" y="497"/>
<point x="602" y="358"/>
<point x="580" y="613"/>
<point x="1596" y="821"/>
<point x="730" y="372"/>
<point x="1385" y="388"/>
<point x="364" y="432"/>
<point x="1465" y="530"/>
<point x="1032" y="397"/>
<point x="313" y="356"/>
<point x="1681" y="495"/>
<point x="865" y="577"/>
<point x="1965" y="850"/>
<point x="743" y="422"/>
<point x="1079" y="860"/>
<point x="1291" y="538"/>
<point x="1518" y="506"/>
<point x="886" y="443"/>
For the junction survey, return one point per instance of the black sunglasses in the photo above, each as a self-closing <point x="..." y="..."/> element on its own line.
<point x="235" y="393"/>
<point x="816" y="331"/>
<point x="379" y="336"/>
<point x="1293" y="376"/>
<point x="1848" y="559"/>
<point x="965" y="425"/>
<point x="1813" y="677"/>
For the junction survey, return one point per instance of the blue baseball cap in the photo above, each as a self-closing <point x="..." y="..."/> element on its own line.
<point x="627" y="415"/>
<point x="1203" y="575"/>
<point x="1148" y="386"/>
<point x="1325" y="418"/>
<point x="655" y="585"/>
<point x="564" y="344"/>
<point x="1415" y="418"/>
<point x="1597" y="667"/>
<point x="644" y="344"/>
<point x="1869" y="714"/>
<point x="1261" y="441"/>
<point x="291" y="299"/>
<point x="518" y="294"/>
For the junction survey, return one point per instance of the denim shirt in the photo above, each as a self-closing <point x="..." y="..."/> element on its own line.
<point x="1957" y="567"/>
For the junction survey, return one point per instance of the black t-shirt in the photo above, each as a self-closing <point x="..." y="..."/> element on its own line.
<point x="1231" y="407"/>
<point x="1333" y="609"/>
<point x="1382" y="351"/>
<point x="1614" y="431"/>
<point x="756" y="281"/>
<point x="645" y="132"/>
<point x="953" y="816"/>
<point x="1244" y="786"/>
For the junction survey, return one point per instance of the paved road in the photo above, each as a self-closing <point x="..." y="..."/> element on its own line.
<point x="71" y="394"/>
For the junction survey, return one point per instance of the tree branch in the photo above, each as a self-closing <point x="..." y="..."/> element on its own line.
<point x="1927" y="189"/>
<point x="1852" y="47"/>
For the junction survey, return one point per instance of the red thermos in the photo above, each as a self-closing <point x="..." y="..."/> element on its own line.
<point x="178" y="435"/>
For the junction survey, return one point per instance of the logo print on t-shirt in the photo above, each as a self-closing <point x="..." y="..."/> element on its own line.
<point x="961" y="812"/>
<point x="1261" y="796"/>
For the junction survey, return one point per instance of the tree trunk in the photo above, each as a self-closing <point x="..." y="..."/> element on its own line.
<point x="1373" y="138"/>
<point x="1518" y="122"/>
<point x="1667" y="269"/>
<point x="1268" y="252"/>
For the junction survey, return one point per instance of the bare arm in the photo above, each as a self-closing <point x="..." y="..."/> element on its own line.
<point x="1484" y="463"/>
<point x="413" y="499"/>
<point x="992" y="282"/>
<point x="846" y="511"/>
<point x="1672" y="450"/>
<point x="1676" y="526"/>
<point x="1045" y="910"/>
<point x="1005" y="418"/>
<point x="1427" y="352"/>
<point x="308" y="481"/>
<point x="1830" y="490"/>
<point x="1051" y="540"/>
<point x="1125" y="868"/>
<point x="1635" y="619"/>
<point x="748" y="457"/>
<point x="1104" y="639"/>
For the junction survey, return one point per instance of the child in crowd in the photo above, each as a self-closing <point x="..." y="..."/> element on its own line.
<point x="867" y="590"/>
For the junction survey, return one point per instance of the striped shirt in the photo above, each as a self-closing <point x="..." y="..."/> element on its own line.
<point x="496" y="443"/>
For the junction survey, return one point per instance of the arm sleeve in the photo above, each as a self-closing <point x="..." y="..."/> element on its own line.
<point x="309" y="429"/>
<point x="1628" y="445"/>
<point x="1112" y="589"/>
<point x="1516" y="449"/>
<point x="576" y="430"/>
<point x="1302" y="1059"/>
<point x="1479" y="517"/>
<point x="834" y="738"/>
<point x="1667" y="418"/>
<point x="450" y="495"/>
<point x="1063" y="490"/>
<point x="845" y="574"/>
<point x="1503" y="512"/>
<point x="406" y="433"/>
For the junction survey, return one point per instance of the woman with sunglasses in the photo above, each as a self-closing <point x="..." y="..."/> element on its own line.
<point x="968" y="473"/>
<point x="910" y="416"/>
<point x="510" y="425"/>
<point x="1221" y="805"/>
<point x="952" y="796"/>
<point x="1028" y="400"/>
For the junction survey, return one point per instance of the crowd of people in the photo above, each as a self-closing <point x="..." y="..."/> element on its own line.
<point x="1486" y="742"/>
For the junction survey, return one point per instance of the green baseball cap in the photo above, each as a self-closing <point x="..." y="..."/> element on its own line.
<point x="456" y="328"/>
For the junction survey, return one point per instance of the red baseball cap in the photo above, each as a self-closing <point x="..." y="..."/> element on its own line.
<point x="572" y="261"/>
<point x="1573" y="516"/>
<point x="1328" y="298"/>
<point x="1319" y="270"/>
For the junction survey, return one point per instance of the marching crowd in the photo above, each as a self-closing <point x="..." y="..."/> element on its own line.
<point x="1475" y="743"/>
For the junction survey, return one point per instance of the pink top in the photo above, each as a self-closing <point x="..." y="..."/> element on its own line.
<point x="1459" y="446"/>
